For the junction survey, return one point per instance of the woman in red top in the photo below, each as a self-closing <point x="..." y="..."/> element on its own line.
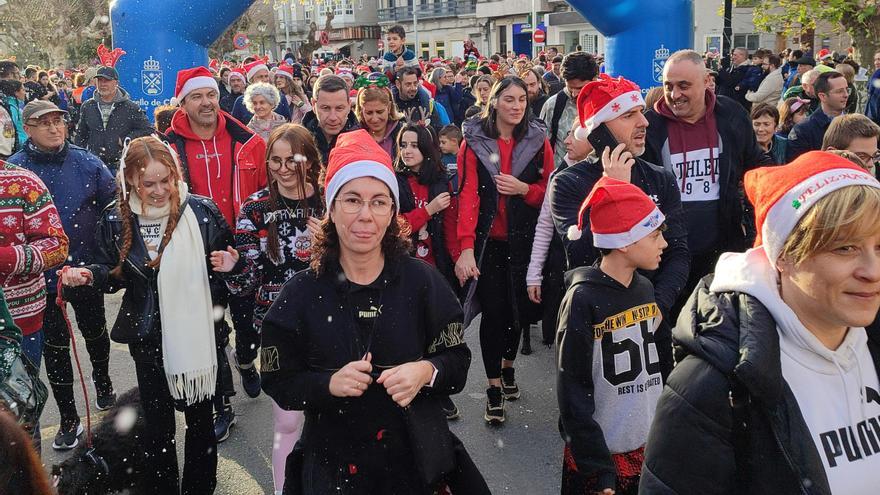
<point x="506" y="160"/>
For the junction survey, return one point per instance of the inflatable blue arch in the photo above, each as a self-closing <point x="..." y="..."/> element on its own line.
<point x="163" y="36"/>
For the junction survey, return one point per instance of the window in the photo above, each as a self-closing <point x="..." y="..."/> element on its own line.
<point x="570" y="40"/>
<point x="349" y="7"/>
<point x="409" y="46"/>
<point x="590" y="43"/>
<point x="713" y="43"/>
<point x="750" y="41"/>
<point x="440" y="48"/>
<point x="426" y="50"/>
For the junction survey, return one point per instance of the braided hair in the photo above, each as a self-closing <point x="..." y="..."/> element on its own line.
<point x="137" y="156"/>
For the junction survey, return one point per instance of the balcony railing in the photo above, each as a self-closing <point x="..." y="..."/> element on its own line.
<point x="432" y="10"/>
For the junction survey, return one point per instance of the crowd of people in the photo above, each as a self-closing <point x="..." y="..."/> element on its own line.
<point x="704" y="256"/>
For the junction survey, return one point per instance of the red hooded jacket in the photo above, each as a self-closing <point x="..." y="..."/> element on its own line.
<point x="226" y="168"/>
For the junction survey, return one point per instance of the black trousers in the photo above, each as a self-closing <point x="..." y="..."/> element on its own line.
<point x="500" y="326"/>
<point x="247" y="338"/>
<point x="88" y="305"/>
<point x="200" y="449"/>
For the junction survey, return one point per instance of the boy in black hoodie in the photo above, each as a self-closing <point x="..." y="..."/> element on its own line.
<point x="609" y="369"/>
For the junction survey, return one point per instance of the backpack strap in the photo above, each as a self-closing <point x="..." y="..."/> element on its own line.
<point x="561" y="100"/>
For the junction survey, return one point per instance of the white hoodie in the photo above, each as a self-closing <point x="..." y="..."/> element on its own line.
<point x="829" y="385"/>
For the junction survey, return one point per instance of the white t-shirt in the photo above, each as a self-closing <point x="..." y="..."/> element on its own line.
<point x="152" y="232"/>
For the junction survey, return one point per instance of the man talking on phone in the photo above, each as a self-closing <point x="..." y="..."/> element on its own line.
<point x="610" y="119"/>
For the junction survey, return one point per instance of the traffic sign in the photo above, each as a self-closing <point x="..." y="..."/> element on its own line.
<point x="539" y="36"/>
<point x="240" y="41"/>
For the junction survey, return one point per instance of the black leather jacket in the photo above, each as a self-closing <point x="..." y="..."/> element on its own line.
<point x="727" y="422"/>
<point x="138" y="320"/>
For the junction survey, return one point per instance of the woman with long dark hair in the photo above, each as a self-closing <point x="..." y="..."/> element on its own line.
<point x="506" y="161"/>
<point x="365" y="342"/>
<point x="156" y="243"/>
<point x="273" y="240"/>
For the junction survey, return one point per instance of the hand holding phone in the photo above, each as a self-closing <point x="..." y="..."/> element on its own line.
<point x="618" y="163"/>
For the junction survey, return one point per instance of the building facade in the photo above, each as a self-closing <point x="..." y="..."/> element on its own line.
<point x="354" y="30"/>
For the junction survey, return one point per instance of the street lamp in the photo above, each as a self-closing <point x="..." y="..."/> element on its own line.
<point x="261" y="27"/>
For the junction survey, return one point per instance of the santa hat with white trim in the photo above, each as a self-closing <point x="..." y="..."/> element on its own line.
<point x="605" y="99"/>
<point x="620" y="214"/>
<point x="355" y="155"/>
<point x="189" y="80"/>
<point x="239" y="73"/>
<point x="783" y="195"/>
<point x="252" y="68"/>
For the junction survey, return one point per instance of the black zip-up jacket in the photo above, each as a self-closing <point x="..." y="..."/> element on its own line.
<point x="310" y="122"/>
<point x="569" y="188"/>
<point x="728" y="353"/>
<point x="138" y="320"/>
<point x="739" y="152"/>
<point x="127" y="120"/>
<point x="310" y="332"/>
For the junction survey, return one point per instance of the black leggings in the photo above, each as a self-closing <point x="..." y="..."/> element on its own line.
<point x="200" y="449"/>
<point x="500" y="326"/>
<point x="88" y="304"/>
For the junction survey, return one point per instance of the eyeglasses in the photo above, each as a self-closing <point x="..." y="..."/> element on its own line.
<point x="291" y="163"/>
<point x="379" y="206"/>
<point x="45" y="125"/>
<point x="840" y="91"/>
<point x="867" y="159"/>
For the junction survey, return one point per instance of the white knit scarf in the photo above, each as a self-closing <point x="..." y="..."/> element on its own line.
<point x="185" y="306"/>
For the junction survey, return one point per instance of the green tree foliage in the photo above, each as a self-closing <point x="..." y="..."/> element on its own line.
<point x="858" y="18"/>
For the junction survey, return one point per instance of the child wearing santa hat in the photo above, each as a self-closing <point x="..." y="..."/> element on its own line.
<point x="609" y="379"/>
<point x="776" y="390"/>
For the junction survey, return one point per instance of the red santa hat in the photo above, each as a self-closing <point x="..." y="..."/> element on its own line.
<point x="213" y="65"/>
<point x="189" y="80"/>
<point x="620" y="214"/>
<point x="356" y="154"/>
<point x="823" y="54"/>
<point x="252" y="68"/>
<point x="603" y="100"/>
<point x="239" y="73"/>
<point x="285" y="70"/>
<point x="783" y="195"/>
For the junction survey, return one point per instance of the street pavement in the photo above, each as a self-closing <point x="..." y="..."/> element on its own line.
<point x="522" y="457"/>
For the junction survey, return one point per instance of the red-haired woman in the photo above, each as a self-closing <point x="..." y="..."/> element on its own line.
<point x="167" y="315"/>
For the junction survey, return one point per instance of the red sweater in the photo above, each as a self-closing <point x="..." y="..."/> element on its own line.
<point x="469" y="200"/>
<point x="32" y="241"/>
<point x="224" y="171"/>
<point x="418" y="219"/>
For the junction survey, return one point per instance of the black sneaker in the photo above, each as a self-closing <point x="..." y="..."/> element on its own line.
<point x="68" y="435"/>
<point x="449" y="408"/>
<point x="105" y="401"/>
<point x="223" y="423"/>
<point x="508" y="384"/>
<point x="250" y="381"/>
<point x="494" y="406"/>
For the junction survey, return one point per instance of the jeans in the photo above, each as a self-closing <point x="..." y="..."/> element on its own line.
<point x="200" y="449"/>
<point x="88" y="303"/>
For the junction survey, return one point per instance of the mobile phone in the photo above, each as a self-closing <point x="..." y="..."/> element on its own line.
<point x="601" y="138"/>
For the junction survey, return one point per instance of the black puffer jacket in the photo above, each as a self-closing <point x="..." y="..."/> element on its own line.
<point x="728" y="353"/>
<point x="138" y="320"/>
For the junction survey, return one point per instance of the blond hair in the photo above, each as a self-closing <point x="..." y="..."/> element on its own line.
<point x="850" y="213"/>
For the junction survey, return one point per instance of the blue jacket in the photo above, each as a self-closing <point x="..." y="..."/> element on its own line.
<point x="450" y="98"/>
<point x="807" y="136"/>
<point x="241" y="113"/>
<point x="872" y="109"/>
<point x="81" y="187"/>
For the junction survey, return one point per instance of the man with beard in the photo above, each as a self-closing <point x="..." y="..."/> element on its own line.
<point x="415" y="104"/>
<point x="224" y="160"/>
<point x="237" y="84"/>
<point x="537" y="89"/>
<point x="707" y="142"/>
<point x="331" y="113"/>
<point x="569" y="188"/>
<point x="108" y="118"/>
<point x="771" y="87"/>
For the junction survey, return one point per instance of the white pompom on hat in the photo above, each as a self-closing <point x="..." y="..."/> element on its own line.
<point x="605" y="99"/>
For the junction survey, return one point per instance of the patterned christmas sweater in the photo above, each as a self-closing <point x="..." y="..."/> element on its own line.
<point x="256" y="273"/>
<point x="32" y="241"/>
